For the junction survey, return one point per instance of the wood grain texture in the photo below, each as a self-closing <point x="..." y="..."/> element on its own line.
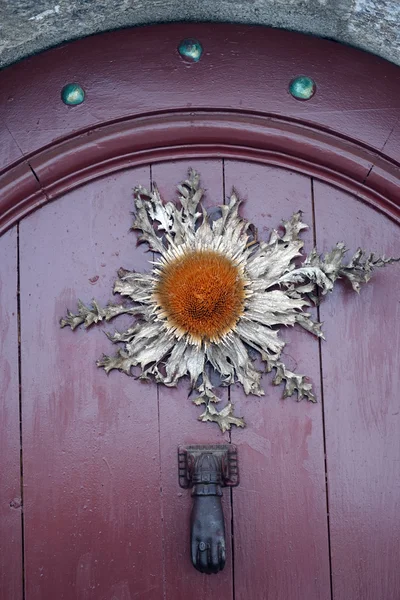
<point x="98" y="450"/>
<point x="11" y="578"/>
<point x="9" y="151"/>
<point x="91" y="456"/>
<point x="280" y="522"/>
<point x="179" y="425"/>
<point x="361" y="377"/>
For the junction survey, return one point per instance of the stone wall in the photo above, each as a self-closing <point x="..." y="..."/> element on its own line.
<point x="29" y="26"/>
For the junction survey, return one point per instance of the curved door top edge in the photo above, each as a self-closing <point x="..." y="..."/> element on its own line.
<point x="128" y="72"/>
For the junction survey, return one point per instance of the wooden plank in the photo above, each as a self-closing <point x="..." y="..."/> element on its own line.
<point x="91" y="452"/>
<point x="9" y="151"/>
<point x="11" y="576"/>
<point x="280" y="523"/>
<point x="179" y="425"/>
<point x="360" y="362"/>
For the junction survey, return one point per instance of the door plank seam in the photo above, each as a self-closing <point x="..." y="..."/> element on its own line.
<point x="160" y="457"/>
<point x="20" y="414"/>
<point x="323" y="407"/>
<point x="230" y="436"/>
<point x="161" y="495"/>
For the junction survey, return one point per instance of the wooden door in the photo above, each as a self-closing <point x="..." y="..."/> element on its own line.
<point x="90" y="503"/>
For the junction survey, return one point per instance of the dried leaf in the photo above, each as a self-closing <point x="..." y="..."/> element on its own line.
<point x="94" y="314"/>
<point x="142" y="221"/>
<point x="225" y="417"/>
<point x="293" y="383"/>
<point x="304" y="320"/>
<point x="121" y="361"/>
<point x="293" y="227"/>
<point x="359" y="270"/>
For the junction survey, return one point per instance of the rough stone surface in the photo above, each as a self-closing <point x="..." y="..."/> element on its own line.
<point x="30" y="26"/>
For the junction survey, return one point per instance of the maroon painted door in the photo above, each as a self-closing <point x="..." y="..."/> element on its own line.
<point x="91" y="508"/>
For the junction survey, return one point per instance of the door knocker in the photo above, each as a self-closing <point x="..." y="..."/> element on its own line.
<point x="206" y="469"/>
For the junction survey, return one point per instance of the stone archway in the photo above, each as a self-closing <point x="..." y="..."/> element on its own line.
<point x="31" y="26"/>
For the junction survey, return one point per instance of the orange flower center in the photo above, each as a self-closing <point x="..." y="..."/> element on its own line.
<point x="202" y="294"/>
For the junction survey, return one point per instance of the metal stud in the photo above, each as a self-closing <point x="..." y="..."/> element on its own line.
<point x="72" y="94"/>
<point x="190" y="49"/>
<point x="302" y="87"/>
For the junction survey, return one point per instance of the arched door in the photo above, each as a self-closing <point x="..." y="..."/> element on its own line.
<point x="91" y="507"/>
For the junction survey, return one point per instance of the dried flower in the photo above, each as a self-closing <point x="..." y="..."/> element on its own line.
<point x="214" y="293"/>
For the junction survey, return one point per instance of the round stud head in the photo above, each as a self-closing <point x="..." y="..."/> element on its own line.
<point x="72" y="94"/>
<point x="302" y="87"/>
<point x="190" y="49"/>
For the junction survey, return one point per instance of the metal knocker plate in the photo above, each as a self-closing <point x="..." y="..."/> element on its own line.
<point x="206" y="469"/>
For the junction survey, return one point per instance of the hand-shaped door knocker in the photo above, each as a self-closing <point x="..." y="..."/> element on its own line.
<point x="206" y="469"/>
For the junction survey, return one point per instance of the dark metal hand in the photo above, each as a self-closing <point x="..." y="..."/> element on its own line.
<point x="207" y="539"/>
<point x="207" y="469"/>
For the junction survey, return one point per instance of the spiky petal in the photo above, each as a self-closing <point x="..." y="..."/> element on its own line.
<point x="187" y="318"/>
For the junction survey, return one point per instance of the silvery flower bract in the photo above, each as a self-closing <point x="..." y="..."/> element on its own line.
<point x="215" y="295"/>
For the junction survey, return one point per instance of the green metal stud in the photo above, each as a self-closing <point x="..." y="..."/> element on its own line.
<point x="302" y="87"/>
<point x="190" y="49"/>
<point x="72" y="94"/>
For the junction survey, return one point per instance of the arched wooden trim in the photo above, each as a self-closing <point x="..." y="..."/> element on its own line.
<point x="266" y="139"/>
<point x="144" y="103"/>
